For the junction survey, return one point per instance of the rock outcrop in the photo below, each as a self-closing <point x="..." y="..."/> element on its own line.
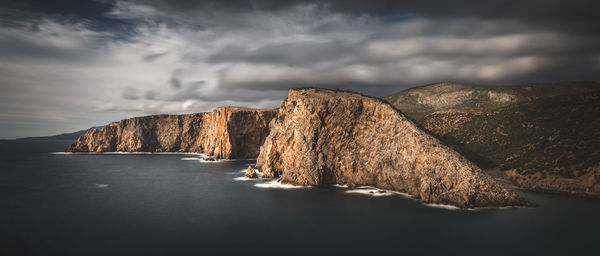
<point x="324" y="137"/>
<point x="250" y="173"/>
<point x="586" y="184"/>
<point x="227" y="132"/>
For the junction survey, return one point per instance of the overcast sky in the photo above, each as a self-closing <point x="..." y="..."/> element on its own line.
<point x="69" y="66"/>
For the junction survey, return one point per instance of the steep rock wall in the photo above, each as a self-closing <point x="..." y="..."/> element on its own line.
<point x="227" y="132"/>
<point x="326" y="137"/>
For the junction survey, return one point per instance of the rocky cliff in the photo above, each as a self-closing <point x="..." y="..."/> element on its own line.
<point x="227" y="132"/>
<point x="326" y="137"/>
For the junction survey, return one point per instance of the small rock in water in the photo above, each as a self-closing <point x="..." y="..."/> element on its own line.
<point x="381" y="191"/>
<point x="212" y="159"/>
<point x="251" y="173"/>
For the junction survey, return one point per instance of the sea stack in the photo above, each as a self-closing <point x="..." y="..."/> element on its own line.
<point x="226" y="132"/>
<point x="322" y="137"/>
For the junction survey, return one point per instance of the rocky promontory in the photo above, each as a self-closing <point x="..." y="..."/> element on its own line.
<point x="324" y="137"/>
<point x="226" y="132"/>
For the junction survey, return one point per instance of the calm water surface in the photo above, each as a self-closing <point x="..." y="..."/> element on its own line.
<point x="94" y="204"/>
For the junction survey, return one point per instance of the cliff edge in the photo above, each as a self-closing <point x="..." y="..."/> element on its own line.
<point x="338" y="137"/>
<point x="226" y="132"/>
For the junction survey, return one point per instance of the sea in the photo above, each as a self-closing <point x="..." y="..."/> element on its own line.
<point x="53" y="203"/>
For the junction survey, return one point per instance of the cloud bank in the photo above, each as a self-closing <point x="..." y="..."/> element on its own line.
<point x="67" y="70"/>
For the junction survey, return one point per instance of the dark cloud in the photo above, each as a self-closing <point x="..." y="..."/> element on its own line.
<point x="192" y="91"/>
<point x="566" y="10"/>
<point x="175" y="83"/>
<point x="88" y="9"/>
<point x="153" y="57"/>
<point x="198" y="91"/>
<point x="151" y="95"/>
<point x="293" y="54"/>
<point x="229" y="53"/>
<point x="44" y="39"/>
<point x="131" y="94"/>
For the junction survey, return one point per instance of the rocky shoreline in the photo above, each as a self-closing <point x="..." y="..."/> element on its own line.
<point x="227" y="132"/>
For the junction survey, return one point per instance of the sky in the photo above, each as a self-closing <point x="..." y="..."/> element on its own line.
<point x="69" y="65"/>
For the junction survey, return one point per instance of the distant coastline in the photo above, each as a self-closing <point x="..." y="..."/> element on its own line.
<point x="63" y="136"/>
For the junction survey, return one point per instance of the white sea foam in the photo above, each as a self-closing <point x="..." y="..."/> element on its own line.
<point x="208" y="161"/>
<point x="145" y="153"/>
<point x="444" y="206"/>
<point x="128" y="153"/>
<point x="100" y="185"/>
<point x="259" y="174"/>
<point x="373" y="191"/>
<point x="244" y="178"/>
<point x="370" y="191"/>
<point x="277" y="184"/>
<point x="340" y="186"/>
<point x="201" y="160"/>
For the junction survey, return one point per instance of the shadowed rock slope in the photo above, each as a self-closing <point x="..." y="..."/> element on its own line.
<point x="227" y="132"/>
<point x="548" y="141"/>
<point x="326" y="137"/>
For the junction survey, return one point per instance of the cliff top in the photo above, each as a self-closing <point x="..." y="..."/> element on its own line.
<point x="323" y="93"/>
<point x="226" y="109"/>
<point x="235" y="108"/>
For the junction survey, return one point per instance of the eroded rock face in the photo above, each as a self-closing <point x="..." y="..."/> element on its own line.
<point x="326" y="137"/>
<point x="227" y="132"/>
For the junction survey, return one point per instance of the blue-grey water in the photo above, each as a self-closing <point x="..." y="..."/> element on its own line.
<point x="95" y="204"/>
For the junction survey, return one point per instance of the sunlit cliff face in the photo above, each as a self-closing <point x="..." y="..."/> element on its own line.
<point x="70" y="66"/>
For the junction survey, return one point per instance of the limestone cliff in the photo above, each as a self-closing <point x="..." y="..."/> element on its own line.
<point x="326" y="137"/>
<point x="227" y="132"/>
